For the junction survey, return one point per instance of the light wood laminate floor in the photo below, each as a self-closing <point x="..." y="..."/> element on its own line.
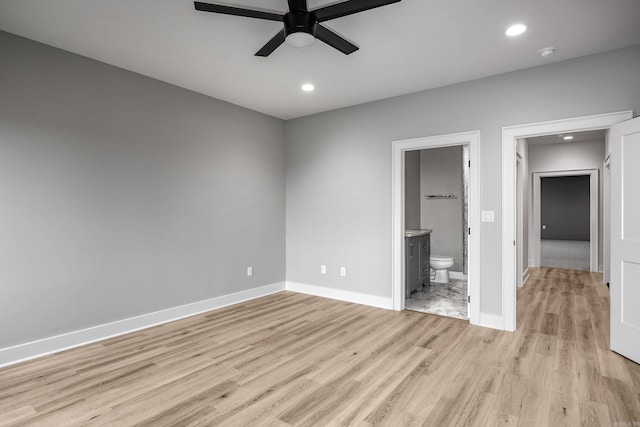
<point x="295" y="360"/>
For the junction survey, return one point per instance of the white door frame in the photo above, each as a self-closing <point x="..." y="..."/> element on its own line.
<point x="520" y="194"/>
<point x="509" y="136"/>
<point x="472" y="139"/>
<point x="594" y="203"/>
<point x="606" y="219"/>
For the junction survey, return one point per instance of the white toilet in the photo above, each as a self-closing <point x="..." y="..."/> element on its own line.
<point x="441" y="265"/>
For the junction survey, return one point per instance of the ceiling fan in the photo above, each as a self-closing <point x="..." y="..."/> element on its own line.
<point x="301" y="25"/>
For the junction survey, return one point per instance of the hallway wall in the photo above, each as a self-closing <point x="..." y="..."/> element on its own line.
<point x="570" y="156"/>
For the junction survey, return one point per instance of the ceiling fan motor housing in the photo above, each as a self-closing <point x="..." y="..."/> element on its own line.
<point x="300" y="22"/>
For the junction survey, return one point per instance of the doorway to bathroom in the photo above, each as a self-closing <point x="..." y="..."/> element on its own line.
<point x="436" y="225"/>
<point x="436" y="221"/>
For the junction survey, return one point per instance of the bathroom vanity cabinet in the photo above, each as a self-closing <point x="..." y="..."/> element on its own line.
<point x="417" y="255"/>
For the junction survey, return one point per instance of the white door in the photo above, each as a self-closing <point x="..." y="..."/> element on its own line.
<point x="625" y="238"/>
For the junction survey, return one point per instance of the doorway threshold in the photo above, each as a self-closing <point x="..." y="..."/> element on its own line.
<point x="443" y="299"/>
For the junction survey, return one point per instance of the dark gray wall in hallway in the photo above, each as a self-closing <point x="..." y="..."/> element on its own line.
<point x="564" y="207"/>
<point x="122" y="195"/>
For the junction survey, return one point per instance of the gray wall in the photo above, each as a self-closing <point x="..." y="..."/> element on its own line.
<point x="524" y="194"/>
<point x="564" y="208"/>
<point x="412" y="190"/>
<point x="571" y="156"/>
<point x="122" y="195"/>
<point x="441" y="173"/>
<point x="339" y="162"/>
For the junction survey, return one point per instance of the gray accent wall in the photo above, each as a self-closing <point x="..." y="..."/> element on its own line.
<point x="339" y="163"/>
<point x="121" y="195"/>
<point x="440" y="174"/>
<point x="564" y="208"/>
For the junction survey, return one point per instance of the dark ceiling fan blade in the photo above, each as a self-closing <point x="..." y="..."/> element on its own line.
<point x="332" y="39"/>
<point x="297" y="5"/>
<point x="231" y="10"/>
<point x="348" y="7"/>
<point x="272" y="44"/>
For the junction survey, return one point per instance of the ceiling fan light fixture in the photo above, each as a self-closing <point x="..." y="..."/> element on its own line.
<point x="300" y="39"/>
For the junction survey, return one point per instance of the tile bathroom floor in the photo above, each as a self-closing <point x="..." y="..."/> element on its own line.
<point x="445" y="299"/>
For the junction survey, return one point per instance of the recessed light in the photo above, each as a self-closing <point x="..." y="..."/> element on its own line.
<point x="516" y="30"/>
<point x="567" y="137"/>
<point x="308" y="87"/>
<point x="547" y="51"/>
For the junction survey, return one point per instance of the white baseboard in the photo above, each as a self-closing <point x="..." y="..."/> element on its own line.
<point x="43" y="347"/>
<point x="341" y="295"/>
<point x="458" y="275"/>
<point x="492" y="321"/>
<point x="525" y="277"/>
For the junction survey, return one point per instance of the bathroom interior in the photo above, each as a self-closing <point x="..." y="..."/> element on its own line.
<point x="436" y="221"/>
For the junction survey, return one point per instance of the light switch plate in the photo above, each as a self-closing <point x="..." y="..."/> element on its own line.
<point x="488" y="216"/>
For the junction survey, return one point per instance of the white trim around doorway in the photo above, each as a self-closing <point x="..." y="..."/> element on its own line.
<point x="594" y="203"/>
<point x="472" y="139"/>
<point x="509" y="136"/>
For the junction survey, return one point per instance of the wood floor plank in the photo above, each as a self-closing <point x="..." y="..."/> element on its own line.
<point x="298" y="360"/>
<point x="594" y="414"/>
<point x="537" y="402"/>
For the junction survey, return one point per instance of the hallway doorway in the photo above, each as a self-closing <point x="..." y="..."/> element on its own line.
<point x="567" y="231"/>
<point x="510" y="136"/>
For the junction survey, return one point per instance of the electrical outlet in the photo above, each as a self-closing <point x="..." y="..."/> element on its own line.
<point x="323" y="269"/>
<point x="249" y="271"/>
<point x="343" y="271"/>
<point x="544" y="227"/>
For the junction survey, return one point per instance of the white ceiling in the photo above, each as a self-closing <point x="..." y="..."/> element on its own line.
<point x="404" y="47"/>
